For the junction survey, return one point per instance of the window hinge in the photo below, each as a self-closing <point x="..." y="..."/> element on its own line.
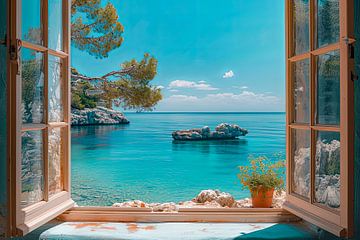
<point x="3" y="41"/>
<point x="353" y="76"/>
<point x="351" y="51"/>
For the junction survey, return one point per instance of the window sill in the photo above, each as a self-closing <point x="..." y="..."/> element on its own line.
<point x="243" y="215"/>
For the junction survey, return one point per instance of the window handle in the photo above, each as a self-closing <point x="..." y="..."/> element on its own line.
<point x="15" y="53"/>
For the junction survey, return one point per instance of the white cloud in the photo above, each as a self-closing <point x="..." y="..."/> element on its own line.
<point x="173" y="90"/>
<point x="190" y="84"/>
<point x="241" y="87"/>
<point x="160" y="87"/>
<point x="229" y="74"/>
<point x="244" y="101"/>
<point x="201" y="81"/>
<point x="185" y="98"/>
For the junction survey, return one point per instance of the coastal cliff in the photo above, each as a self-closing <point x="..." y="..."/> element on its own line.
<point x="97" y="116"/>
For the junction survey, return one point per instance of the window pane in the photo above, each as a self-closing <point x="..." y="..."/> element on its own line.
<point x="328" y="22"/>
<point x="32" y="86"/>
<point x="55" y="24"/>
<point x="328" y="89"/>
<point x="301" y="76"/>
<point x="32" y="173"/>
<point x="300" y="26"/>
<point x="301" y="162"/>
<point x="55" y="90"/>
<point x="31" y="21"/>
<point x="55" y="184"/>
<point x="327" y="170"/>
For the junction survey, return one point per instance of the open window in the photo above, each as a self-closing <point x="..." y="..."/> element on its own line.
<point x="320" y="113"/>
<point x="40" y="119"/>
<point x="319" y="120"/>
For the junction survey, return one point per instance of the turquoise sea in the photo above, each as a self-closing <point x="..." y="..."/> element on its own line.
<point x="141" y="161"/>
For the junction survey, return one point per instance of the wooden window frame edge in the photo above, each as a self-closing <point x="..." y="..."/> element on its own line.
<point x="339" y="223"/>
<point x="36" y="215"/>
<point x="215" y="215"/>
<point x="23" y="220"/>
<point x="316" y="220"/>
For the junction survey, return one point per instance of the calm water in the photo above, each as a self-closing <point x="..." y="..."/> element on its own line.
<point x="141" y="161"/>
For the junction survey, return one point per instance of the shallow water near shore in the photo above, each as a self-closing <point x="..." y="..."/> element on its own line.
<point x="141" y="161"/>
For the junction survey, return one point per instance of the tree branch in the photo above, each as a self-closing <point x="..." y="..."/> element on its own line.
<point x="120" y="73"/>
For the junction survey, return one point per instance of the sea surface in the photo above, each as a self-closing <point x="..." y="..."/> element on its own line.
<point x="141" y="160"/>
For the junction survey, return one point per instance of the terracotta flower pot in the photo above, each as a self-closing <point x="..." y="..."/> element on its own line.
<point x="262" y="198"/>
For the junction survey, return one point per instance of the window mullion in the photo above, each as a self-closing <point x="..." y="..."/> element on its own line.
<point x="312" y="100"/>
<point x="312" y="27"/>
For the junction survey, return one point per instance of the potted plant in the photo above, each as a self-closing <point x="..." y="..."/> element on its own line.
<point x="262" y="177"/>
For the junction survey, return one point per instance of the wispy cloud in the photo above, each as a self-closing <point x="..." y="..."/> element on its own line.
<point x="244" y="101"/>
<point x="229" y="74"/>
<point x="185" y="98"/>
<point x="201" y="85"/>
<point x="241" y="87"/>
<point x="160" y="87"/>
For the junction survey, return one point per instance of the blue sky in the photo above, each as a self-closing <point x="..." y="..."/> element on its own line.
<point x="213" y="55"/>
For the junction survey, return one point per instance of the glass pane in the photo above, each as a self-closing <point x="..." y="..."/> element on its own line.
<point x="301" y="26"/>
<point x="301" y="83"/>
<point x="300" y="182"/>
<point x="31" y="22"/>
<point x="55" y="24"/>
<point x="55" y="90"/>
<point x="328" y="22"/>
<point x="328" y="89"/>
<point x="327" y="169"/>
<point x="32" y="167"/>
<point x="55" y="184"/>
<point x="32" y="86"/>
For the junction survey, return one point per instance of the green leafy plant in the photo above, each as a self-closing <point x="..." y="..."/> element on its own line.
<point x="262" y="172"/>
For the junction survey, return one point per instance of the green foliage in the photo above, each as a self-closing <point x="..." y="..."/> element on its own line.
<point x="133" y="90"/>
<point x="262" y="173"/>
<point x="129" y="90"/>
<point x="332" y="167"/>
<point x="95" y="28"/>
<point x="79" y="98"/>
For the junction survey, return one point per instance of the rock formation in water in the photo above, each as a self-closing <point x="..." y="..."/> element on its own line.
<point x="205" y="199"/>
<point x="327" y="169"/>
<point x="222" y="131"/>
<point x="97" y="116"/>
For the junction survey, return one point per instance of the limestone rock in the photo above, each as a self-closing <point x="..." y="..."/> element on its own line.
<point x="222" y="131"/>
<point x="222" y="198"/>
<point x="133" y="204"/>
<point x="97" y="116"/>
<point x="164" y="207"/>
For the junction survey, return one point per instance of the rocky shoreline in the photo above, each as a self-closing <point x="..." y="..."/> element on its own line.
<point x="205" y="199"/>
<point x="97" y="116"/>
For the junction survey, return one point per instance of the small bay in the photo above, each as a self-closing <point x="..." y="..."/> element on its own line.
<point x="141" y="161"/>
